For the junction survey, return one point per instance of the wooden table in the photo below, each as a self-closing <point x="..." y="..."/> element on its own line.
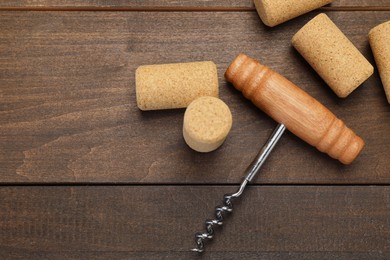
<point x="85" y="174"/>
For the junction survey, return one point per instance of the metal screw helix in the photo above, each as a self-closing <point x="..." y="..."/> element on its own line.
<point x="251" y="171"/>
<point x="219" y="216"/>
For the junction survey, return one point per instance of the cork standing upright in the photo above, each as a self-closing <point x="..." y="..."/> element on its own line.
<point x="332" y="55"/>
<point x="207" y="122"/>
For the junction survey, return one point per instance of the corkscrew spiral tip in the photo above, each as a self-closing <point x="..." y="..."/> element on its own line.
<point x="221" y="211"/>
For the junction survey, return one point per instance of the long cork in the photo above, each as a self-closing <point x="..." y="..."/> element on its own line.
<point x="176" y="85"/>
<point x="207" y="122"/>
<point x="380" y="44"/>
<point x="274" y="12"/>
<point x="332" y="55"/>
<point x="298" y="111"/>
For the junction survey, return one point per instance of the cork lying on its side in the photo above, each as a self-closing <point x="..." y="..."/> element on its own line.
<point x="165" y="86"/>
<point x="332" y="55"/>
<point x="274" y="12"/>
<point x="380" y="44"/>
<point x="207" y="122"/>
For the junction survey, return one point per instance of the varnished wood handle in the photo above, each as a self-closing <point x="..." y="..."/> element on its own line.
<point x="298" y="111"/>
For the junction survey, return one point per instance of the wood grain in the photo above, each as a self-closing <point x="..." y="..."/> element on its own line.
<point x="233" y="5"/>
<point x="11" y="254"/>
<point x="151" y="221"/>
<point x="68" y="115"/>
<point x="68" y="110"/>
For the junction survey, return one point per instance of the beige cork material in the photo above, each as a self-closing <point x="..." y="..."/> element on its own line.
<point x="165" y="86"/>
<point x="207" y="122"/>
<point x="380" y="44"/>
<point x="332" y="55"/>
<point x="274" y="12"/>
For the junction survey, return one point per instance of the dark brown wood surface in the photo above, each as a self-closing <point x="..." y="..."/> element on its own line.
<point x="85" y="175"/>
<point x="170" y="4"/>
<point x="69" y="112"/>
<point x="156" y="220"/>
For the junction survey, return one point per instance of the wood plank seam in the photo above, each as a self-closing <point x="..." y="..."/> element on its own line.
<point x="178" y="9"/>
<point x="168" y="184"/>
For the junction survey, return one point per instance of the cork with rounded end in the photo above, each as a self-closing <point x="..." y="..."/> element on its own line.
<point x="165" y="86"/>
<point x="332" y="55"/>
<point x="274" y="12"/>
<point x="379" y="38"/>
<point x="207" y="122"/>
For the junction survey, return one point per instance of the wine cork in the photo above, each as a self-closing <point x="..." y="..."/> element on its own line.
<point x="332" y="55"/>
<point x="207" y="122"/>
<point x="176" y="85"/>
<point x="379" y="38"/>
<point x="274" y="12"/>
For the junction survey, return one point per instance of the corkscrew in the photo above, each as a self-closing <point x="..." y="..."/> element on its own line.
<point x="295" y="110"/>
<point x="251" y="171"/>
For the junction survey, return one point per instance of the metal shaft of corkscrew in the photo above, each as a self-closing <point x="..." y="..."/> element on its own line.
<point x="250" y="172"/>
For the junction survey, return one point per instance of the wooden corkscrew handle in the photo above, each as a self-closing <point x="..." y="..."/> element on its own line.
<point x="298" y="111"/>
